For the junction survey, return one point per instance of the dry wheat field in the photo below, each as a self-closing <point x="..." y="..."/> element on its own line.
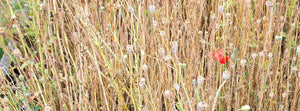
<point x="150" y="55"/>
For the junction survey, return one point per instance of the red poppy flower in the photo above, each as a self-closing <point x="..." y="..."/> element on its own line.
<point x="219" y="56"/>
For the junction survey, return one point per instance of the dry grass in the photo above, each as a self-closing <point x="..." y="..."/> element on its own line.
<point x="119" y="55"/>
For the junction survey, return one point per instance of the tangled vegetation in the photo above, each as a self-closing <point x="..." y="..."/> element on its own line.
<point x="151" y="55"/>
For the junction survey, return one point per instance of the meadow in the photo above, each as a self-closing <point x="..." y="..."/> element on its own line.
<point x="150" y="55"/>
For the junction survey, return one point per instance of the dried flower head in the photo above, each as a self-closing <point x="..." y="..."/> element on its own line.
<point x="130" y="9"/>
<point x="278" y="37"/>
<point x="200" y="80"/>
<point x="17" y="53"/>
<point x="221" y="9"/>
<point x="176" y="86"/>
<point x="254" y="55"/>
<point x="167" y="94"/>
<point x="142" y="82"/>
<point x="174" y="46"/>
<point x="164" y="21"/>
<point x="167" y="58"/>
<point x="125" y="56"/>
<point x="213" y="16"/>
<point x="270" y="55"/>
<point x="118" y="6"/>
<point x="161" y="51"/>
<point x="2" y="30"/>
<point x="228" y="15"/>
<point x="285" y="94"/>
<point x="6" y="108"/>
<point x="258" y="21"/>
<point x="154" y="23"/>
<point x="152" y="8"/>
<point x="261" y="54"/>
<point x="48" y="108"/>
<point x="232" y="65"/>
<point x="142" y="52"/>
<point x="226" y="75"/>
<point x="245" y="108"/>
<point x="201" y="106"/>
<point x="4" y="100"/>
<point x="200" y="32"/>
<point x="298" y="49"/>
<point x="268" y="3"/>
<point x="243" y="62"/>
<point x="129" y="48"/>
<point x="271" y="94"/>
<point x="294" y="68"/>
<point x="248" y="2"/>
<point x="145" y="109"/>
<point x="162" y="33"/>
<point x="143" y="79"/>
<point x="144" y="67"/>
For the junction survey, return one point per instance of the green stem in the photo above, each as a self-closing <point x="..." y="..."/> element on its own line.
<point x="217" y="94"/>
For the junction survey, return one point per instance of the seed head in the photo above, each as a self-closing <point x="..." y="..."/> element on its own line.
<point x="17" y="53"/>
<point x="226" y="75"/>
<point x="48" y="108"/>
<point x="232" y="65"/>
<point x="161" y="51"/>
<point x="268" y="3"/>
<point x="243" y="62"/>
<point x="245" y="108"/>
<point x="142" y="52"/>
<point x="164" y="21"/>
<point x="294" y="68"/>
<point x="167" y="58"/>
<point x="174" y="46"/>
<point x="277" y="37"/>
<point x="270" y="55"/>
<point x="200" y="80"/>
<point x="144" y="67"/>
<point x="6" y="108"/>
<point x="220" y="9"/>
<point x="167" y="94"/>
<point x="2" y="30"/>
<point x="284" y="95"/>
<point x="154" y="24"/>
<point x="298" y="49"/>
<point x="200" y="32"/>
<point x="248" y="2"/>
<point x="130" y="9"/>
<point x="129" y="48"/>
<point x="261" y="54"/>
<point x="176" y="86"/>
<point x="213" y="16"/>
<point x="162" y="33"/>
<point x="271" y="94"/>
<point x="152" y="8"/>
<point x="201" y="106"/>
<point x="254" y="55"/>
<point x="228" y="15"/>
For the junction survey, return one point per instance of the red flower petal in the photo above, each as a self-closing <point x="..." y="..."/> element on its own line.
<point x="218" y="55"/>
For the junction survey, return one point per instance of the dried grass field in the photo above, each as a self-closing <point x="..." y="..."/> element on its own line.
<point x="150" y="55"/>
